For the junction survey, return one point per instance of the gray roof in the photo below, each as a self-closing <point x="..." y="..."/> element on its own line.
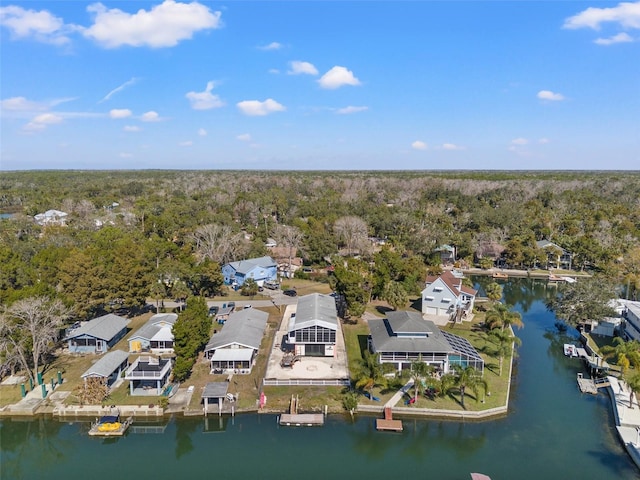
<point x="215" y="390"/>
<point x="547" y="244"/>
<point x="245" y="266"/>
<point x="407" y="332"/>
<point x="104" y="328"/>
<point x="154" y="325"/>
<point x="315" y="309"/>
<point x="107" y="364"/>
<point x="244" y="327"/>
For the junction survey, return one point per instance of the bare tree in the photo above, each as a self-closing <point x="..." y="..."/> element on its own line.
<point x="351" y="230"/>
<point x="29" y="329"/>
<point x="93" y="391"/>
<point x="218" y="243"/>
<point x="290" y="237"/>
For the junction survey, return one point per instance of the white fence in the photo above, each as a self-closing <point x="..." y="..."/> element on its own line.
<point x="338" y="382"/>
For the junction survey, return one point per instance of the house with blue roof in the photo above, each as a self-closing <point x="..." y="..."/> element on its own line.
<point x="262" y="269"/>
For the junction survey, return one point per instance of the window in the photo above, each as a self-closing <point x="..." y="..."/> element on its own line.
<point x="429" y="298"/>
<point x="446" y="300"/>
<point x="437" y="289"/>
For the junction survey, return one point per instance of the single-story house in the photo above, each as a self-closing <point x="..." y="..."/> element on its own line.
<point x="557" y="257"/>
<point x="155" y="336"/>
<point x="404" y="337"/>
<point x="234" y="349"/>
<point x="148" y="375"/>
<point x="259" y="269"/>
<point x="223" y="314"/>
<point x="97" y="335"/>
<point x="110" y="367"/>
<point x="446" y="295"/>
<point x="312" y="329"/>
<point x="51" y="217"/>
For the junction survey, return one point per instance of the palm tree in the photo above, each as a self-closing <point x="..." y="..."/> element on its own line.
<point x="627" y="353"/>
<point x="369" y="372"/>
<point x="420" y="370"/>
<point x="634" y="385"/>
<point x="501" y="316"/>
<point x="504" y="340"/>
<point x="468" y="377"/>
<point x="494" y="291"/>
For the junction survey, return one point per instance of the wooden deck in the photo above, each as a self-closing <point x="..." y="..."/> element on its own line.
<point x="388" y="423"/>
<point x="121" y="429"/>
<point x="302" y="419"/>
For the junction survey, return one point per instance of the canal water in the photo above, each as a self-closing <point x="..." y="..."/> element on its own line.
<point x="552" y="432"/>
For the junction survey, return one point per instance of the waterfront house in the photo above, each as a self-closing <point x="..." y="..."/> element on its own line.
<point x="403" y="337"/>
<point x="109" y="367"/>
<point x="97" y="335"/>
<point x="234" y="348"/>
<point x="312" y="329"/>
<point x="631" y="316"/>
<point x="155" y="336"/>
<point x="148" y="375"/>
<point x="557" y="257"/>
<point x="446" y="295"/>
<point x="259" y="269"/>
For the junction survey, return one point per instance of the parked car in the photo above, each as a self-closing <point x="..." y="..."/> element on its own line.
<point x="213" y="311"/>
<point x="232" y="305"/>
<point x="290" y="293"/>
<point x="247" y="306"/>
<point x="271" y="285"/>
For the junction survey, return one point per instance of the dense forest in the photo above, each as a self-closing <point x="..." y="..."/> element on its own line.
<point x="132" y="235"/>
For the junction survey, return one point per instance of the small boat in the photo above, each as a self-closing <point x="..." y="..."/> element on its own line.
<point x="110" y="426"/>
<point x="500" y="275"/>
<point x="555" y="278"/>
<point x="479" y="476"/>
<point x="570" y="350"/>
<point x="569" y="279"/>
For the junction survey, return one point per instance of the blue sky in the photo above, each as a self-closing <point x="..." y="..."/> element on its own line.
<point x="320" y="85"/>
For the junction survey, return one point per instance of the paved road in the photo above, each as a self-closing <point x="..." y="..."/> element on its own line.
<point x="276" y="298"/>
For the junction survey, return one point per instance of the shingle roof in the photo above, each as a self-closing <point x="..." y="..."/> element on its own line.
<point x="103" y="328"/>
<point x="315" y="309"/>
<point x="407" y="332"/>
<point x="107" y="364"/>
<point x="245" y="266"/>
<point x="154" y="325"/>
<point x="452" y="283"/>
<point x="244" y="327"/>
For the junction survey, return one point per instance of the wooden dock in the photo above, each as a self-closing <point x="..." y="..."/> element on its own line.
<point x="388" y="423"/>
<point x="589" y="385"/>
<point x="295" y="419"/>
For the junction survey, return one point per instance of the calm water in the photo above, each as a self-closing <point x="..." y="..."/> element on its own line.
<point x="552" y="432"/>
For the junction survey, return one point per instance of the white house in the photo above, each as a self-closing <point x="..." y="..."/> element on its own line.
<point x="446" y="295"/>
<point x="312" y="329"/>
<point x="155" y="336"/>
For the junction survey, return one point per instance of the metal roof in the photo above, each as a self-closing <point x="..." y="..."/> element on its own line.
<point x="232" y="354"/>
<point x="107" y="364"/>
<point x="244" y="327"/>
<point x="104" y="328"/>
<point x="407" y="332"/>
<point x="315" y="309"/>
<point x="215" y="390"/>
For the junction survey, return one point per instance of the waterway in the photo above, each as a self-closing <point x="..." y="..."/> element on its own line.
<point x="552" y="432"/>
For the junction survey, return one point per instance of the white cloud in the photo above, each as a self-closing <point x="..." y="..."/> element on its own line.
<point x="255" y="108"/>
<point x="120" y="113"/>
<point x="351" y="109"/>
<point x="202" y="132"/>
<point x="41" y="121"/>
<point x="245" y="137"/>
<point x="271" y="46"/>
<point x="150" y="116"/>
<point x="419" y="145"/>
<point x="519" y="141"/>
<point x="21" y="104"/>
<point x="337" y="77"/>
<point x="187" y="143"/>
<point x="126" y="84"/>
<point x="549" y="95"/>
<point x="39" y="25"/>
<point x="204" y="100"/>
<point x="298" y="67"/>
<point x="163" y="25"/>
<point x="619" y="38"/>
<point x="451" y="146"/>
<point x="131" y="128"/>
<point x="625" y="14"/>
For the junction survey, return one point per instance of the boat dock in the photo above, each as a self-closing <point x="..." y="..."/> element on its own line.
<point x="589" y="385"/>
<point x="388" y="423"/>
<point x="110" y="427"/>
<point x="295" y="419"/>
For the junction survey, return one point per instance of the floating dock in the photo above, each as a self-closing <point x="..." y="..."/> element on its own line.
<point x="110" y="426"/>
<point x="302" y="419"/>
<point x="388" y="423"/>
